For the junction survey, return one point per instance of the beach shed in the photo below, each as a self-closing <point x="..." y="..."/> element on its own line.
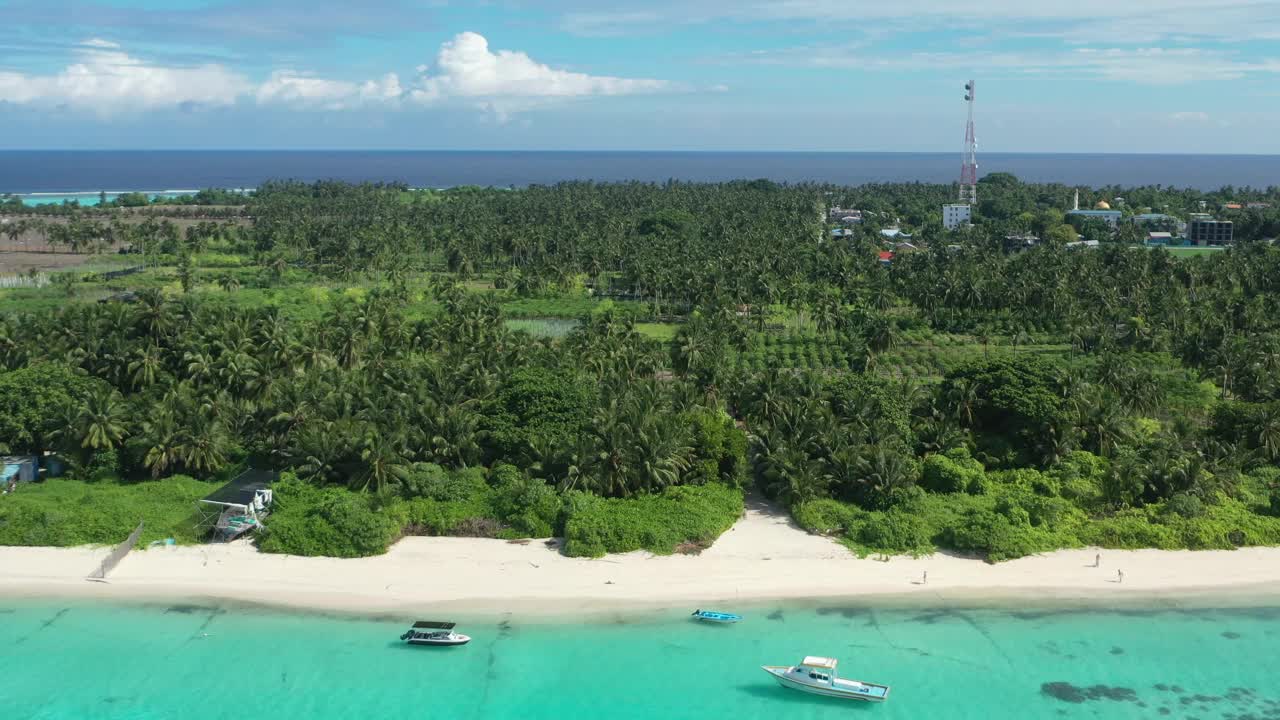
<point x="23" y="468"/>
<point x="239" y="506"/>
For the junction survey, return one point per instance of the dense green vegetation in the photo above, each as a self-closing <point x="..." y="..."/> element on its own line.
<point x="66" y="512"/>
<point x="615" y="364"/>
<point x="505" y="503"/>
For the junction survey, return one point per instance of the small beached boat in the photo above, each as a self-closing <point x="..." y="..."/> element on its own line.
<point x="716" y="617"/>
<point x="817" y="675"/>
<point x="430" y="632"/>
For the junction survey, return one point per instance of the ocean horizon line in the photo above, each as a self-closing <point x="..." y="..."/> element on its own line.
<point x="54" y="171"/>
<point x="623" y="151"/>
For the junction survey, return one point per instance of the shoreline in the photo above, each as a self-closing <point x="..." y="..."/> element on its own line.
<point x="1045" y="601"/>
<point x="763" y="560"/>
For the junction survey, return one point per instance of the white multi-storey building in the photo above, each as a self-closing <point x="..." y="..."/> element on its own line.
<point x="956" y="215"/>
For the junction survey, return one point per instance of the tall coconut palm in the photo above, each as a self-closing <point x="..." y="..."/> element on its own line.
<point x="101" y="422"/>
<point x="146" y="366"/>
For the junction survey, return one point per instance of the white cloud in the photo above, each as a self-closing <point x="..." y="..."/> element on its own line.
<point x="1151" y="66"/>
<point x="306" y="91"/>
<point x="1137" y="21"/>
<point x="289" y="87"/>
<point x="106" y="80"/>
<point x="1193" y="117"/>
<point x="385" y="90"/>
<point x="466" y="68"/>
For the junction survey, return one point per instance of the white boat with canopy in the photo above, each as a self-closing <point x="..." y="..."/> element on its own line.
<point x="817" y="675"/>
<point x="431" y="632"/>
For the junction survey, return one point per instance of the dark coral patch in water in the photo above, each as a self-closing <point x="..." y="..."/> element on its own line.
<point x="933" y="616"/>
<point x="844" y="612"/>
<point x="1117" y="651"/>
<point x="775" y="615"/>
<point x="1231" y="635"/>
<point x="1039" y="614"/>
<point x="186" y="609"/>
<point x="1067" y="692"/>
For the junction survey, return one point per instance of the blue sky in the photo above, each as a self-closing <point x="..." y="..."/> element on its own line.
<point x="1081" y="76"/>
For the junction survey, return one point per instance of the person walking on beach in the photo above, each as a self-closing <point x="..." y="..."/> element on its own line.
<point x="924" y="579"/>
<point x="1097" y="560"/>
<point x="1119" y="576"/>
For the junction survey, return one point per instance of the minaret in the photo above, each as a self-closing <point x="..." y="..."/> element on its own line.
<point x="1077" y="203"/>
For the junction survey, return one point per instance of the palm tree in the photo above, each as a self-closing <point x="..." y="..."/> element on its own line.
<point x="881" y="335"/>
<point x="186" y="273"/>
<point x="1106" y="425"/>
<point x="661" y="453"/>
<point x="453" y="438"/>
<point x="229" y="282"/>
<point x="883" y="472"/>
<point x="146" y="367"/>
<point x="963" y="397"/>
<point x="100" y="425"/>
<point x="1268" y="432"/>
<point x="14" y="230"/>
<point x="383" y="462"/>
<point x="161" y="438"/>
<point x="205" y="443"/>
<point x="153" y="312"/>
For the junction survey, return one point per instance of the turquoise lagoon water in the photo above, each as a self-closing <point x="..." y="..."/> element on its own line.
<point x="60" y="660"/>
<point x="91" y="198"/>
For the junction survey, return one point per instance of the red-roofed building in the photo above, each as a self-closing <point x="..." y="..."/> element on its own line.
<point x="886" y="257"/>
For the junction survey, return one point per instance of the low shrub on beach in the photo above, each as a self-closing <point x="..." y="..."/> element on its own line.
<point x="428" y="500"/>
<point x="659" y="522"/>
<point x="528" y="506"/>
<point x="332" y="522"/>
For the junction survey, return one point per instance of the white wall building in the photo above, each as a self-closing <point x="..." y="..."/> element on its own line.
<point x="954" y="216"/>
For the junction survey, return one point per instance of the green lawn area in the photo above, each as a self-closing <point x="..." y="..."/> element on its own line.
<point x="543" y="327"/>
<point x="1193" y="251"/>
<point x="63" y="512"/>
<point x="664" y="332"/>
<point x="565" y="307"/>
<point x="927" y="362"/>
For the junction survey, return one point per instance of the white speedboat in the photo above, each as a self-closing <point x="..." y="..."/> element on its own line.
<point x="430" y="632"/>
<point x="817" y="675"/>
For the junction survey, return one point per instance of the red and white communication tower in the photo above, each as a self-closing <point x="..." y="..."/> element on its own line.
<point x="969" y="166"/>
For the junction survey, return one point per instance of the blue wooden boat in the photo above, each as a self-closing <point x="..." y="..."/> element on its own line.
<point x="716" y="617"/>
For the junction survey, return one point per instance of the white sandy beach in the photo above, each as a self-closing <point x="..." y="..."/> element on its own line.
<point x="763" y="557"/>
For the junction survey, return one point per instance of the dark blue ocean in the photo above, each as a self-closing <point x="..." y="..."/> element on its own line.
<point x="92" y="171"/>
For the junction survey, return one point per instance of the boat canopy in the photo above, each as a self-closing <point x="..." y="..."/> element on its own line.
<point x="820" y="662"/>
<point x="433" y="625"/>
<point x="244" y="490"/>
<point x="237" y="507"/>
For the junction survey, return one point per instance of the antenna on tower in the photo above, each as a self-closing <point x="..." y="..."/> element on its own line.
<point x="969" y="163"/>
